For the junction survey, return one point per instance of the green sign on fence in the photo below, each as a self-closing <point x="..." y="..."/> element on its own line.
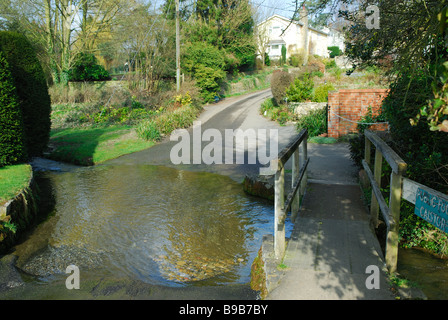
<point x="432" y="208"/>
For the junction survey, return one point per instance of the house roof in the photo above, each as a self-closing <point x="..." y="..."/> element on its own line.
<point x="277" y="41"/>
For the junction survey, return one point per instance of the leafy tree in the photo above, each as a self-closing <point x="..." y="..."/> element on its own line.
<point x="62" y="28"/>
<point x="206" y="64"/>
<point x="218" y="39"/>
<point x="86" y="68"/>
<point x="147" y="43"/>
<point x="227" y="25"/>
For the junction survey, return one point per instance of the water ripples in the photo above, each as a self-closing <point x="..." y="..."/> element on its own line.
<point x="152" y="223"/>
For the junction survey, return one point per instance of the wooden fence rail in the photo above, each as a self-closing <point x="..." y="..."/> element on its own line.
<point x="299" y="180"/>
<point x="391" y="213"/>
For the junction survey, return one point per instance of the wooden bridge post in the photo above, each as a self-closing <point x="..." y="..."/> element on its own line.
<point x="295" y="176"/>
<point x="280" y="215"/>
<point x="304" y="159"/>
<point x="374" y="206"/>
<point x="392" y="232"/>
<point x="283" y="205"/>
<point x="367" y="148"/>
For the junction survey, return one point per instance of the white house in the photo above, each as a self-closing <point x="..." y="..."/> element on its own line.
<point x="296" y="36"/>
<point x="335" y="38"/>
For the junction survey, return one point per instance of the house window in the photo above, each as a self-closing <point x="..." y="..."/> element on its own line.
<point x="276" y="31"/>
<point x="275" y="47"/>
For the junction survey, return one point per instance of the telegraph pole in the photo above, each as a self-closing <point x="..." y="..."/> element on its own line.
<point x="177" y="46"/>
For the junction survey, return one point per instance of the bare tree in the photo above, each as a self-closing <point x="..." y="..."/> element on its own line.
<point x="62" y="27"/>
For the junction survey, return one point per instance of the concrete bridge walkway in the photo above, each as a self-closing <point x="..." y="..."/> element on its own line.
<point x="331" y="245"/>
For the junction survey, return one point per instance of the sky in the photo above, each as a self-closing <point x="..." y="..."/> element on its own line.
<point x="267" y="8"/>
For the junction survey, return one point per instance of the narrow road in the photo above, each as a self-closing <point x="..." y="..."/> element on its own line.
<point x="233" y="113"/>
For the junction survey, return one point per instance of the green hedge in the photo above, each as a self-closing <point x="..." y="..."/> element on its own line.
<point x="31" y="86"/>
<point x="12" y="144"/>
<point x="86" y="68"/>
<point x="334" y="51"/>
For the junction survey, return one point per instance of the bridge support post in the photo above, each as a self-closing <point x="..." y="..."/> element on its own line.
<point x="282" y="204"/>
<point x="392" y="232"/>
<point x="280" y="215"/>
<point x="374" y="205"/>
<point x="304" y="181"/>
<point x="295" y="176"/>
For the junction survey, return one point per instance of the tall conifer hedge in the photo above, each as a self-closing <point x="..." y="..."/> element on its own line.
<point x="12" y="145"/>
<point x="32" y="90"/>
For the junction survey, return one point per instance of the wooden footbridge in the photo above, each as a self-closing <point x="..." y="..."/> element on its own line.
<point x="333" y="252"/>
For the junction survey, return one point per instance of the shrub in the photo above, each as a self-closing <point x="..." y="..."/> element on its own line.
<point x="280" y="81"/>
<point x="86" y="68"/>
<point x="425" y="151"/>
<point x="267" y="60"/>
<point x="283" y="59"/>
<point x="315" y="122"/>
<point x="315" y="64"/>
<point x="301" y="89"/>
<point x="356" y="147"/>
<point x="167" y="122"/>
<point x="267" y="105"/>
<point x="330" y="64"/>
<point x="316" y="74"/>
<point x="148" y="130"/>
<point x="334" y="51"/>
<point x="296" y="59"/>
<point x="321" y="92"/>
<point x="206" y="65"/>
<point x="209" y="80"/>
<point x="12" y="144"/>
<point x="31" y="86"/>
<point x="180" y="118"/>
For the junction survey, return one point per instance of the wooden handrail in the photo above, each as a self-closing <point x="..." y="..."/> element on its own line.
<point x="286" y="153"/>
<point x="299" y="179"/>
<point x="397" y="164"/>
<point x="391" y="213"/>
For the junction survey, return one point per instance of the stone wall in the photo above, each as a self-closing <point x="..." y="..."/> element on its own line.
<point x="21" y="211"/>
<point x="304" y="108"/>
<point x="343" y="62"/>
<point x="348" y="106"/>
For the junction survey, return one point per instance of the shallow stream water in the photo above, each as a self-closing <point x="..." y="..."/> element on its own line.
<point x="429" y="272"/>
<point x="153" y="225"/>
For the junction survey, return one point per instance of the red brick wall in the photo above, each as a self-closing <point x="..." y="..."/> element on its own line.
<point x="351" y="105"/>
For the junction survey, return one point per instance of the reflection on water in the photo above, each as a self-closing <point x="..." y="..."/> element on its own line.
<point x="430" y="272"/>
<point x="149" y="223"/>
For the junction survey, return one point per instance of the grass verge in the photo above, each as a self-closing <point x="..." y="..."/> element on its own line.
<point x="13" y="179"/>
<point x="93" y="145"/>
